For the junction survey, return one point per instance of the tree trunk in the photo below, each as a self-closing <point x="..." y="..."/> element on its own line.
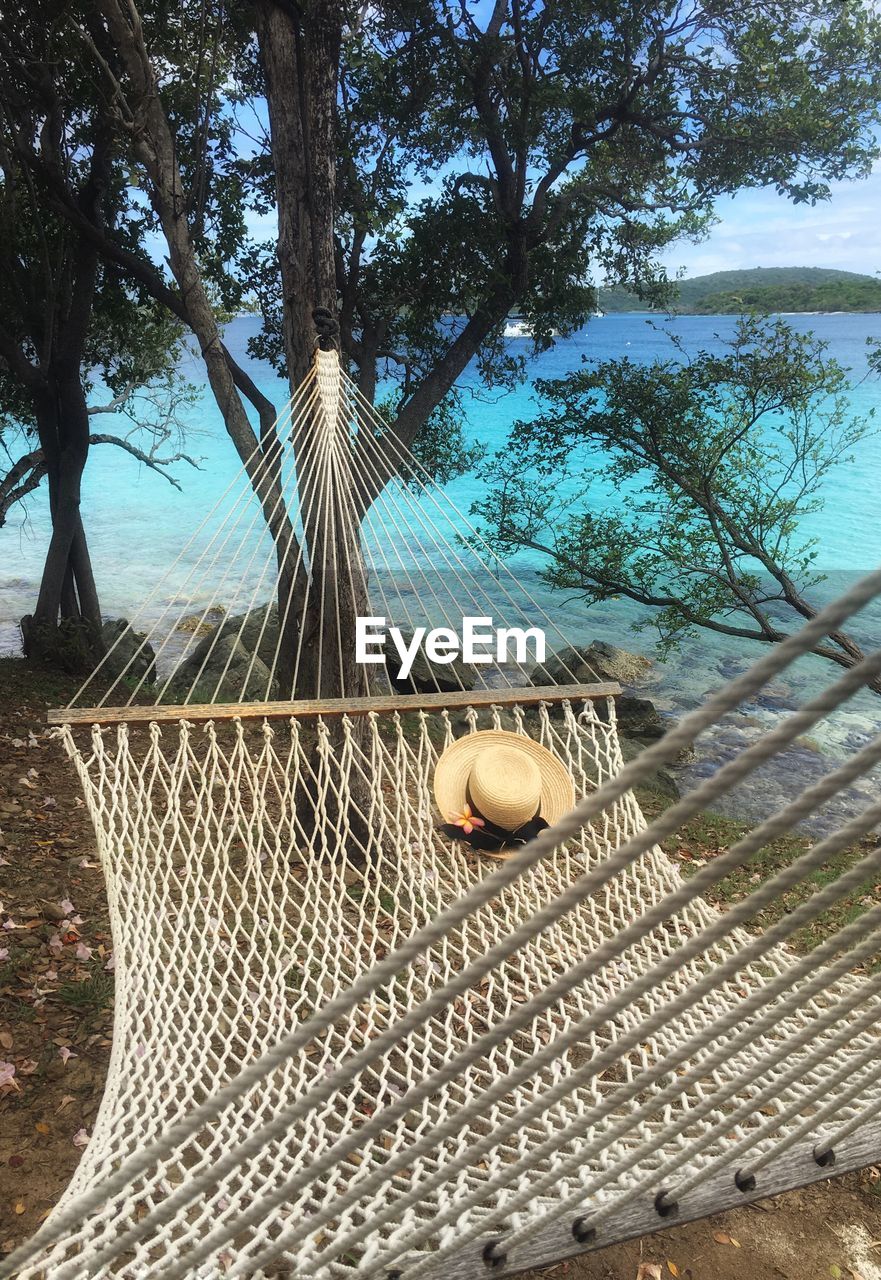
<point x="67" y="587"/>
<point x="300" y="53"/>
<point x="301" y="59"/>
<point x="157" y="149"/>
<point x="70" y="606"/>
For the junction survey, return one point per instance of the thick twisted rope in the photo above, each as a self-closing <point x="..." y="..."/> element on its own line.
<point x="823" y="1149"/>
<point x="695" y="1046"/>
<point x="774" y="661"/>
<point x="575" y="1204"/>
<point x="449" y="1128"/>
<point x="165" y="1213"/>
<point x="526" y="1013"/>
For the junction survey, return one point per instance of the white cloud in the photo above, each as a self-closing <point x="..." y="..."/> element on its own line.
<point x="762" y="229"/>
<point x="757" y="229"/>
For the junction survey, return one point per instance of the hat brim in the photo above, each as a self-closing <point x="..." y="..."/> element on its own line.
<point x="454" y="768"/>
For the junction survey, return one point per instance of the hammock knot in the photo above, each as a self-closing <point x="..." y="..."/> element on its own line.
<point x="327" y="327"/>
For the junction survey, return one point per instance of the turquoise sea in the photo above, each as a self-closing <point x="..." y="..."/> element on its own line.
<point x="137" y="522"/>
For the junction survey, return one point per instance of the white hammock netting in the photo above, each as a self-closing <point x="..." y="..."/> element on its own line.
<point x="347" y="1045"/>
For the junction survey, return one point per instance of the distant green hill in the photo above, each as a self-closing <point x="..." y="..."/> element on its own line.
<point x="763" y="289"/>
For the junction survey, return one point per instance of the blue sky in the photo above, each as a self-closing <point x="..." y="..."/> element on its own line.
<point x="754" y="229"/>
<point x="762" y="229"/>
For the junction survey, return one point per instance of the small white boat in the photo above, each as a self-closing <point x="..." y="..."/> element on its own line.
<point x="518" y="327"/>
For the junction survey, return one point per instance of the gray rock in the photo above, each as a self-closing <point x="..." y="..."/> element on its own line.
<point x="127" y="652"/>
<point x="597" y="661"/>
<point x="204" y="622"/>
<point x="639" y="718"/>
<point x="730" y="668"/>
<point x="231" y="674"/>
<point x="774" y="702"/>
<point x="254" y="635"/>
<point x="661" y="781"/>
<point x="241" y="635"/>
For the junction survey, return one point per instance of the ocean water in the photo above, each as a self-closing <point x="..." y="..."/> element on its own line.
<point x="137" y="524"/>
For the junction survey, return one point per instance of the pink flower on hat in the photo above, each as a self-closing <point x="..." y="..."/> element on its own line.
<point x="468" y="820"/>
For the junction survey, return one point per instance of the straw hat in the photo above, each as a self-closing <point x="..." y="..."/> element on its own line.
<point x="506" y="777"/>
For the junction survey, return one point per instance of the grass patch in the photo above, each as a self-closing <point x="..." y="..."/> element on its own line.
<point x="90" y="995"/>
<point x="17" y="1010"/>
<point x="708" y="835"/>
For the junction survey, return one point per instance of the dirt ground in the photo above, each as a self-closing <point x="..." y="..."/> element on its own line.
<point x="56" y="988"/>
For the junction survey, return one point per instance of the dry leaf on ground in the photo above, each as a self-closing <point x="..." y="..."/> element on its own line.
<point x="649" y="1271"/>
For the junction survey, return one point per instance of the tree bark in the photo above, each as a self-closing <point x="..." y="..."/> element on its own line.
<point x="156" y="147"/>
<point x="301" y="62"/>
<point x="300" y="53"/>
<point x="64" y="434"/>
<point x="67" y="586"/>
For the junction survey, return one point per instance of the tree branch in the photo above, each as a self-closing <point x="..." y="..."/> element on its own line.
<point x="149" y="460"/>
<point x="26" y="474"/>
<point x="21" y="479"/>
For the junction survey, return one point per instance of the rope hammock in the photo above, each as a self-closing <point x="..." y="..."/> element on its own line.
<point x="346" y="1044"/>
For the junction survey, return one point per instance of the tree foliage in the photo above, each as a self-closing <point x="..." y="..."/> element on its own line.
<point x="860" y="296"/>
<point x="682" y="484"/>
<point x="72" y="324"/>
<point x="435" y="166"/>
<point x="518" y="155"/>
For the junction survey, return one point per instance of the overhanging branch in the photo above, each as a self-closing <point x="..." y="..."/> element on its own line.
<point x="26" y="474"/>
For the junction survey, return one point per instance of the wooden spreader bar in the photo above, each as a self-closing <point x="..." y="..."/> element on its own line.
<point x="553" y="1241"/>
<point x="334" y="706"/>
